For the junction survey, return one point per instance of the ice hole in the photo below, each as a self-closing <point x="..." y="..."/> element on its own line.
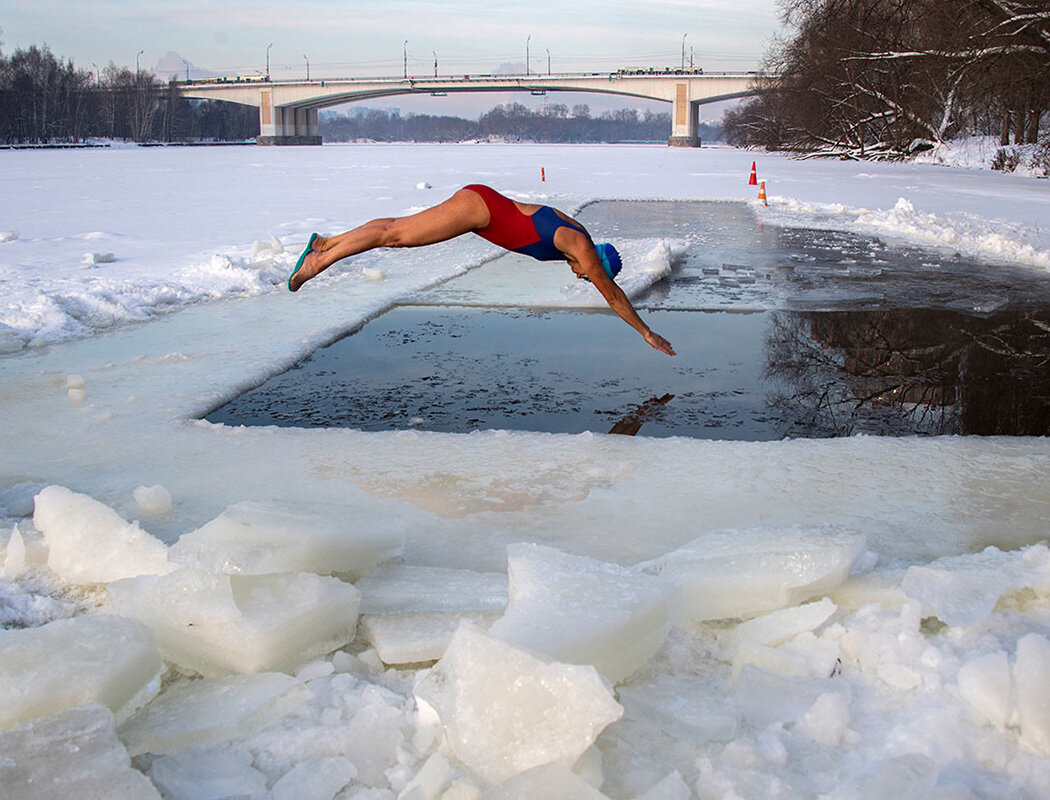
<point x="780" y="333"/>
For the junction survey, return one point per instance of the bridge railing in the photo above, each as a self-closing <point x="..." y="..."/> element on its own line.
<point x="619" y="74"/>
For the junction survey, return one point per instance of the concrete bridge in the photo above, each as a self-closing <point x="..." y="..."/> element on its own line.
<point x="288" y="109"/>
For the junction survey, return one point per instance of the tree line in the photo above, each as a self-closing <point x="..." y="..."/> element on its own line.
<point x="509" y="122"/>
<point x="884" y="78"/>
<point x="47" y="100"/>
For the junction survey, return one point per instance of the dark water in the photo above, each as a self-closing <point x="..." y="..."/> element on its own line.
<point x="754" y="376"/>
<point x="854" y="336"/>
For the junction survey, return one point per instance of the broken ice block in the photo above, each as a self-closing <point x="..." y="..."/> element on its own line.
<point x="1032" y="681"/>
<point x="260" y="538"/>
<point x="909" y="777"/>
<point x="583" y="611"/>
<point x="985" y="683"/>
<point x="153" y="499"/>
<point x="103" y="659"/>
<point x="766" y="698"/>
<point x="505" y="710"/>
<point x="429" y="781"/>
<point x="71" y="754"/>
<point x="551" y="782"/>
<point x="415" y="638"/>
<point x="749" y="572"/>
<point x="962" y="590"/>
<point x="882" y="587"/>
<point x="672" y="787"/>
<point x="402" y="588"/>
<point x="14" y="556"/>
<point x="778" y="627"/>
<point x="197" y="774"/>
<point x="314" y="779"/>
<point x="90" y="543"/>
<point x="212" y="711"/>
<point x="218" y="624"/>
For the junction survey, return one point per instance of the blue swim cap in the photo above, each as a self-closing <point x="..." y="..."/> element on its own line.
<point x="611" y="262"/>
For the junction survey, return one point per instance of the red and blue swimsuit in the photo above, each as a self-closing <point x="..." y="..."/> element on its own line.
<point x="512" y="230"/>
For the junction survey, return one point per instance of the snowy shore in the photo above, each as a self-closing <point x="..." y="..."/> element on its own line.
<point x="665" y="619"/>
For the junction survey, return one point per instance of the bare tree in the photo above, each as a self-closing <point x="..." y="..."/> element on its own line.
<point x="872" y="78"/>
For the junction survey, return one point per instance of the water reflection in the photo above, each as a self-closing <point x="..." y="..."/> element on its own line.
<point x="928" y="370"/>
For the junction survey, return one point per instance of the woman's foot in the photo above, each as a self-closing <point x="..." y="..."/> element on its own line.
<point x="306" y="267"/>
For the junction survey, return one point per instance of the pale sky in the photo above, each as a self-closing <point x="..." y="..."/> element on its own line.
<point x="354" y="38"/>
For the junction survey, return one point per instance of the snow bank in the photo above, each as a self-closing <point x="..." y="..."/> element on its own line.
<point x="259" y="538"/>
<point x="90" y="543"/>
<point x="984" y="239"/>
<point x="217" y="624"/>
<point x="504" y="711"/>
<point x="106" y="660"/>
<point x="73" y="753"/>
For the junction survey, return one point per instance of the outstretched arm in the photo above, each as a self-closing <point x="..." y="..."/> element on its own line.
<point x="585" y="263"/>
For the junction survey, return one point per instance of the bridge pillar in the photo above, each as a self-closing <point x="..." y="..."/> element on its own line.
<point x="685" y="119"/>
<point x="284" y="125"/>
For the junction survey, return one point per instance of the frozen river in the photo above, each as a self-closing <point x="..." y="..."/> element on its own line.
<point x="884" y="654"/>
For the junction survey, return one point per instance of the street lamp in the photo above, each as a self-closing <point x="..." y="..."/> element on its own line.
<point x="268" y="60"/>
<point x="683" y="49"/>
<point x="406" y="58"/>
<point x="140" y="52"/>
<point x="548" y="61"/>
<point x="187" y="63"/>
<point x="307" y="67"/>
<point x="527" y="54"/>
<point x="98" y="76"/>
<point x="435" y="62"/>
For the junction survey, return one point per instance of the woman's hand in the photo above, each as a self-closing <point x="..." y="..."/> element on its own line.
<point x="658" y="342"/>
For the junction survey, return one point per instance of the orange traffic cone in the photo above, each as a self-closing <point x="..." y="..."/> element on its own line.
<point x="762" y="193"/>
<point x="753" y="180"/>
<point x="543" y="174"/>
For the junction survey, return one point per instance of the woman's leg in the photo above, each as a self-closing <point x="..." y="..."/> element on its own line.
<point x="462" y="213"/>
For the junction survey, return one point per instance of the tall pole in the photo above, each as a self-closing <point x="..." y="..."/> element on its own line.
<point x="307" y="67"/>
<point x="406" y="58"/>
<point x="137" y="61"/>
<point x="268" y="60"/>
<point x="527" y="53"/>
<point x="187" y="63"/>
<point x="683" y="49"/>
<point x="548" y="61"/>
<point x="435" y="62"/>
<point x="98" y="76"/>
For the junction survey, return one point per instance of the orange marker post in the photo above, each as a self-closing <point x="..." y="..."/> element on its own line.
<point x="543" y="174"/>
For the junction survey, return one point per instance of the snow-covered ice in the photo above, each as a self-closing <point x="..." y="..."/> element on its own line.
<point x="747" y="572"/>
<point x="210" y="711"/>
<point x="216" y="624"/>
<point x="73" y="753"/>
<point x="504" y="710"/>
<point x="257" y="538"/>
<point x="89" y="542"/>
<point x="583" y="611"/>
<point x="923" y="673"/>
<point x="69" y="662"/>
